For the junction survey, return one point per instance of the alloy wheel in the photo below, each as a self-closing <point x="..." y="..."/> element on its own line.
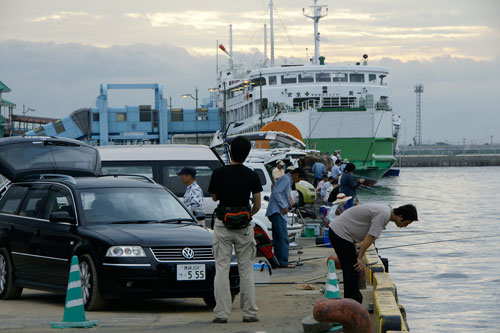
<point x="3" y="273"/>
<point x="86" y="281"/>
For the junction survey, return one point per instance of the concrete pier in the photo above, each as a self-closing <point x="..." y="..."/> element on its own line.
<point x="448" y="160"/>
<point x="448" y="155"/>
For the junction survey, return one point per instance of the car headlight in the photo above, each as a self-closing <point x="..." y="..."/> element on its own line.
<point x="125" y="251"/>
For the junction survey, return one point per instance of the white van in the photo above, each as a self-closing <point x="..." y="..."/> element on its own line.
<point x="161" y="163"/>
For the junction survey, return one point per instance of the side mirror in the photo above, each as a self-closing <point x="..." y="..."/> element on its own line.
<point x="199" y="216"/>
<point x="61" y="217"/>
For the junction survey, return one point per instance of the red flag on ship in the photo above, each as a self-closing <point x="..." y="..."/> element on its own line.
<point x="224" y="49"/>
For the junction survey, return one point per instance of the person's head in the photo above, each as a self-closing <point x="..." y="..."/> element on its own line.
<point x="405" y="215"/>
<point x="188" y="175"/>
<point x="349" y="167"/>
<point x="240" y="147"/>
<point x="338" y="162"/>
<point x="331" y="179"/>
<point x="325" y="177"/>
<point x="335" y="180"/>
<point x="280" y="165"/>
<point x="298" y="174"/>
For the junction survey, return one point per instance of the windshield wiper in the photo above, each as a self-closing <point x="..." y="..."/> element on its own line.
<point x="177" y="220"/>
<point x="134" y="222"/>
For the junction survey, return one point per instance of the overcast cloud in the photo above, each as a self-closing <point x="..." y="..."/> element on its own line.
<point x="55" y="56"/>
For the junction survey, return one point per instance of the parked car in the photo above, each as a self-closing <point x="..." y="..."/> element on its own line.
<point x="133" y="237"/>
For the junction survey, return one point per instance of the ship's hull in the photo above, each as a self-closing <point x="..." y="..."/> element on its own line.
<point x="373" y="157"/>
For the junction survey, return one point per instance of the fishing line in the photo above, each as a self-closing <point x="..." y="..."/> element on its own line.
<point x="431" y="242"/>
<point x="427" y="233"/>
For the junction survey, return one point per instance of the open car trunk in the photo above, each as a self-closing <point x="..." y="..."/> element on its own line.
<point x="21" y="157"/>
<point x="218" y="141"/>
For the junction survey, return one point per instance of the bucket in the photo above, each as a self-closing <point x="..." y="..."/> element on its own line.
<point x="261" y="273"/>
<point x="310" y="231"/>
<point x="316" y="228"/>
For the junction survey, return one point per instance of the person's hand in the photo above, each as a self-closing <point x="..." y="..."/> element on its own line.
<point x="284" y="211"/>
<point x="359" y="267"/>
<point x="361" y="180"/>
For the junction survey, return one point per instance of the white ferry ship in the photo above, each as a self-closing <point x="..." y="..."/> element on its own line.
<point x="334" y="107"/>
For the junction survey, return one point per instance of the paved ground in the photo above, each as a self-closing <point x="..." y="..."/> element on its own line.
<point x="281" y="307"/>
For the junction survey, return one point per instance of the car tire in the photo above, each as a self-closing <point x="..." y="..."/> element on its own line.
<point x="210" y="300"/>
<point x="8" y="290"/>
<point x="92" y="298"/>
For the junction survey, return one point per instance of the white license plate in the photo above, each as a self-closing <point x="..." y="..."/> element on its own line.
<point x="190" y="272"/>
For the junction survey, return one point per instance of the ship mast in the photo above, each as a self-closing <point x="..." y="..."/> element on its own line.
<point x="316" y="17"/>
<point x="271" y="25"/>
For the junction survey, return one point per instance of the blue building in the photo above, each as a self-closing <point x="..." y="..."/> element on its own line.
<point x="104" y="125"/>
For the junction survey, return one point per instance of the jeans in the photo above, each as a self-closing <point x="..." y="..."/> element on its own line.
<point x="346" y="253"/>
<point x="316" y="181"/>
<point x="349" y="204"/>
<point x="280" y="238"/>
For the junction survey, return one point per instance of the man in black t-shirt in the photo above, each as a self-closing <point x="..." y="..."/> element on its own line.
<point x="232" y="185"/>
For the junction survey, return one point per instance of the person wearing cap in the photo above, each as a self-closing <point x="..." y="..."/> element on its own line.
<point x="338" y="199"/>
<point x="279" y="172"/>
<point x="348" y="184"/>
<point x="193" y="197"/>
<point x="279" y="204"/>
<point x="363" y="223"/>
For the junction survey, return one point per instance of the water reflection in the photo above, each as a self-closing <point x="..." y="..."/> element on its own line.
<point x="447" y="286"/>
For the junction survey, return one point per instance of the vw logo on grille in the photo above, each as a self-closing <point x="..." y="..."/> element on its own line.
<point x="188" y="253"/>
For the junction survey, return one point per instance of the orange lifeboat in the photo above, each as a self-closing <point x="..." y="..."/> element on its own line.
<point x="278" y="126"/>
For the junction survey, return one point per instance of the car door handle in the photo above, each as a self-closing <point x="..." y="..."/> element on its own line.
<point x="37" y="233"/>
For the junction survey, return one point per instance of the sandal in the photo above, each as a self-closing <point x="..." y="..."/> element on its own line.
<point x="288" y="266"/>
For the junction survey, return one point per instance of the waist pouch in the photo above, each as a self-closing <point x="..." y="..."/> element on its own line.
<point x="235" y="217"/>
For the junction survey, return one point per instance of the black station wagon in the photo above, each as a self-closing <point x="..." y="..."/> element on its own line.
<point x="133" y="237"/>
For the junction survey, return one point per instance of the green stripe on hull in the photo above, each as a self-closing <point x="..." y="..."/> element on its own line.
<point x="360" y="152"/>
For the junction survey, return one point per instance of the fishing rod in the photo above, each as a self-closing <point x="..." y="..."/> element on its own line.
<point x="426" y="233"/>
<point x="431" y="242"/>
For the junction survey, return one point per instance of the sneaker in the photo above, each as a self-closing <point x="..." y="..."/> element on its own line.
<point x="250" y="319"/>
<point x="219" y="320"/>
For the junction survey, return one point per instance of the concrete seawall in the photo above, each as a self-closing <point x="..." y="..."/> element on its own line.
<point x="448" y="160"/>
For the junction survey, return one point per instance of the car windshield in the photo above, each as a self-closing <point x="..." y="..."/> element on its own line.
<point x="112" y="205"/>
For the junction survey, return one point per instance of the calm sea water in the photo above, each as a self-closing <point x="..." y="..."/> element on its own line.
<point x="451" y="286"/>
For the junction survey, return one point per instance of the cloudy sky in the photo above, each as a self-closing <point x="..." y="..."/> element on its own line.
<point x="54" y="54"/>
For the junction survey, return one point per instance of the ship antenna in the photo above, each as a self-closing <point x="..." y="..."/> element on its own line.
<point x="316" y="17"/>
<point x="271" y="26"/>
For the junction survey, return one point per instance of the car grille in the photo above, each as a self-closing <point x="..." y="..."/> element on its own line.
<point x="163" y="254"/>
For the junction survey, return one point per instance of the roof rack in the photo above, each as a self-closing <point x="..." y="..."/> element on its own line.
<point x="116" y="175"/>
<point x="51" y="175"/>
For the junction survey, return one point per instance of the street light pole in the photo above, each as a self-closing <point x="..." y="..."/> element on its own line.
<point x="224" y="102"/>
<point x="260" y="102"/>
<point x="193" y="97"/>
<point x="196" y="98"/>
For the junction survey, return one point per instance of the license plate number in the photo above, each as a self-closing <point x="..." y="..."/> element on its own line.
<point x="190" y="272"/>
